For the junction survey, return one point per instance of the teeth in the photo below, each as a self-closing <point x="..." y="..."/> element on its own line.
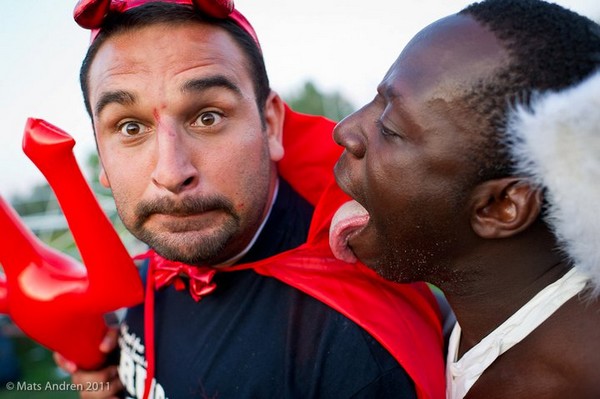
<point x="349" y="219"/>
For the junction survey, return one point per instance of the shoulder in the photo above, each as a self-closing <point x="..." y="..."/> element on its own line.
<point x="559" y="359"/>
<point x="352" y="364"/>
<point x="571" y="344"/>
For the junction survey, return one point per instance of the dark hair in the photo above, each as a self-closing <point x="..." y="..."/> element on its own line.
<point x="549" y="47"/>
<point x="171" y="13"/>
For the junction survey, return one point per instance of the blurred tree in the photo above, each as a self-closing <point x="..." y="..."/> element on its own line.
<point x="39" y="200"/>
<point x="310" y="100"/>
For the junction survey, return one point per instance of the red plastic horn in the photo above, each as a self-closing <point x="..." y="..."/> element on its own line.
<point x="54" y="299"/>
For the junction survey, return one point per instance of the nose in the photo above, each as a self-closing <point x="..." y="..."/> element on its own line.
<point x="174" y="170"/>
<point x="348" y="134"/>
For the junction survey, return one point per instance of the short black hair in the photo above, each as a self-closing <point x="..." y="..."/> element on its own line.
<point x="170" y="13"/>
<point x="549" y="47"/>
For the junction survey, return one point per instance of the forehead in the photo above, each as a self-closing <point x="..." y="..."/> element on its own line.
<point x="162" y="51"/>
<point x="445" y="59"/>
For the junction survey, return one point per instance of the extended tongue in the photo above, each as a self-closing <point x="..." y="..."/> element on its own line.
<point x="348" y="220"/>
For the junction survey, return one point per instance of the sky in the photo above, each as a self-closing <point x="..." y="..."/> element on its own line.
<point x="341" y="45"/>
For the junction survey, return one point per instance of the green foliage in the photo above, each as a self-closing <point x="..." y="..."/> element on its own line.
<point x="38" y="369"/>
<point x="39" y="200"/>
<point x="310" y="100"/>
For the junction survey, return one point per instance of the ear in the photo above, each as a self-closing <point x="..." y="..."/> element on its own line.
<point x="274" y="117"/>
<point x="103" y="178"/>
<point x="505" y="207"/>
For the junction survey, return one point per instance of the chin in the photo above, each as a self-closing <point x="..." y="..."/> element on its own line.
<point x="384" y="265"/>
<point x="389" y="272"/>
<point x="399" y="266"/>
<point x="193" y="256"/>
<point x="192" y="248"/>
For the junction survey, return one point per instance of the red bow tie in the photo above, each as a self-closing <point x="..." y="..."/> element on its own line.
<point x="167" y="272"/>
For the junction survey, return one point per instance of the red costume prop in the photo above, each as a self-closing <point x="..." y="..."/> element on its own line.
<point x="51" y="297"/>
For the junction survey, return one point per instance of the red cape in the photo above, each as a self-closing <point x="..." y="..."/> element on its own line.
<point x="404" y="318"/>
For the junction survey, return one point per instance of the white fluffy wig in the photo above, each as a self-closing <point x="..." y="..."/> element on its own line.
<point x="556" y="141"/>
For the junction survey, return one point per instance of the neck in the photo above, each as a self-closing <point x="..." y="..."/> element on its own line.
<point x="500" y="284"/>
<point x="272" y="197"/>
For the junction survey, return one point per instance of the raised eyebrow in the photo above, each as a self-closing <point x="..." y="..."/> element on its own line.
<point x="203" y="84"/>
<point x="120" y="97"/>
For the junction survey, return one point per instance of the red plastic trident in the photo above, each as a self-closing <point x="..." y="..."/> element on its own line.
<point x="54" y="299"/>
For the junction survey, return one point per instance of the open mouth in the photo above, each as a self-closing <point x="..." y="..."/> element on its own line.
<point x="348" y="221"/>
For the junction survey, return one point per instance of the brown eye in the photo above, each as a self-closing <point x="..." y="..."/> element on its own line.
<point x="210" y="118"/>
<point x="132" y="128"/>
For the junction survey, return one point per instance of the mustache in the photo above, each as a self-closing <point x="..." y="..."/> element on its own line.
<point x="182" y="207"/>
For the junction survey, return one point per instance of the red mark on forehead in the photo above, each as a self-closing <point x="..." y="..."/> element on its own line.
<point x="166" y="127"/>
<point x="156" y="112"/>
